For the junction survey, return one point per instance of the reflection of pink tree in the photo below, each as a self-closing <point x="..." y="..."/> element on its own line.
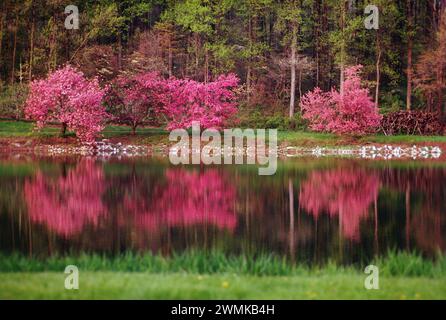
<point x="66" y="204"/>
<point x="345" y="193"/>
<point x="189" y="198"/>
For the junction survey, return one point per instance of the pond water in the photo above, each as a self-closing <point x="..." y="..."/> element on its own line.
<point x="312" y="210"/>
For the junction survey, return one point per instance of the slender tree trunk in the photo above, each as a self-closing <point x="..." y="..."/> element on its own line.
<point x="293" y="72"/>
<point x="197" y="60"/>
<point x="248" y="82"/>
<point x="52" y="58"/>
<point x="63" y="130"/>
<point x="31" y="51"/>
<point x="342" y="53"/>
<point x="134" y="129"/>
<point x="378" y="69"/>
<point x="170" y="57"/>
<point x="300" y="84"/>
<point x="249" y="70"/>
<point x="409" y="56"/>
<point x="206" y="66"/>
<point x="119" y="52"/>
<point x="316" y="9"/>
<point x="14" y="50"/>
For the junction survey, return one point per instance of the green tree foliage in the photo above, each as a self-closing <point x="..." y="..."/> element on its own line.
<point x="279" y="49"/>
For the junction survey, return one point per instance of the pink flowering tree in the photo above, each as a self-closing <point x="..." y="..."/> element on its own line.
<point x="137" y="99"/>
<point x="67" y="97"/>
<point x="351" y="111"/>
<point x="212" y="104"/>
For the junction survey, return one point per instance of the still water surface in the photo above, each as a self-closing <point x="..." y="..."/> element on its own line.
<point x="311" y="210"/>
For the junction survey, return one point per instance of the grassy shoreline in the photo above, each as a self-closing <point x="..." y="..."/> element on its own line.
<point x="197" y="275"/>
<point x="19" y="131"/>
<point x="215" y="262"/>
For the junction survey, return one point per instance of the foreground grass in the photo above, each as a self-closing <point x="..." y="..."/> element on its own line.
<point x="21" y="129"/>
<point x="215" y="275"/>
<point x="215" y="262"/>
<point x="115" y="285"/>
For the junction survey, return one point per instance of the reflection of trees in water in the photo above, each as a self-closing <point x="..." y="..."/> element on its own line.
<point x="345" y="193"/>
<point x="306" y="214"/>
<point x="425" y="206"/>
<point x="68" y="203"/>
<point x="186" y="198"/>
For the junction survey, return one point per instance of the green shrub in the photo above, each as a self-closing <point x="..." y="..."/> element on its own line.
<point x="257" y="120"/>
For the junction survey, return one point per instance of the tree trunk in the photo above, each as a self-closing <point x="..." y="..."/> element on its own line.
<point x="31" y="51"/>
<point x="14" y="50"/>
<point x="409" y="56"/>
<point x="293" y="72"/>
<point x="342" y="63"/>
<point x="300" y="84"/>
<point x="197" y="61"/>
<point x="248" y="83"/>
<point x="134" y="126"/>
<point x="378" y="69"/>
<point x="206" y="66"/>
<point x="119" y="52"/>
<point x="63" y="130"/>
<point x="316" y="9"/>
<point x="170" y="58"/>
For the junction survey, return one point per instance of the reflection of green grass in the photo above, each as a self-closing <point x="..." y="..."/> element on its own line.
<point x="114" y="285"/>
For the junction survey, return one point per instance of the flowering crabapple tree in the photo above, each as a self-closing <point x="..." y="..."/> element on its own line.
<point x="351" y="111"/>
<point x="134" y="100"/>
<point x="211" y="104"/>
<point x="66" y="96"/>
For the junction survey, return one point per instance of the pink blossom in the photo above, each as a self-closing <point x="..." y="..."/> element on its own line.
<point x="349" y="112"/>
<point x="65" y="96"/>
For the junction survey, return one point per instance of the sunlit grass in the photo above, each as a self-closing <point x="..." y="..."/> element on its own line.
<point x="137" y="285"/>
<point x="146" y="135"/>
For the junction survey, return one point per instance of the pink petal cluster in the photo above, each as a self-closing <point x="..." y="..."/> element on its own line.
<point x="181" y="101"/>
<point x="139" y="97"/>
<point x="66" y="96"/>
<point x="351" y="111"/>
<point x="211" y="104"/>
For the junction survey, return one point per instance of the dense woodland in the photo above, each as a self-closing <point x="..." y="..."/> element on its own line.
<point x="278" y="49"/>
